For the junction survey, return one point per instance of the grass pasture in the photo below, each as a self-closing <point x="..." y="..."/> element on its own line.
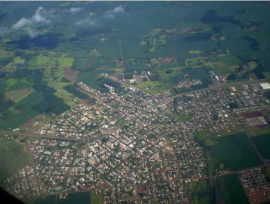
<point x="95" y="198"/>
<point x="220" y="67"/>
<point x="14" y="155"/>
<point x="231" y="190"/>
<point x="182" y="117"/>
<point x="200" y="192"/>
<point x="267" y="75"/>
<point x="86" y="63"/>
<point x="205" y="137"/>
<point x="152" y="87"/>
<point x="18" y="94"/>
<point x="234" y="152"/>
<point x="22" y="111"/>
<point x="262" y="143"/>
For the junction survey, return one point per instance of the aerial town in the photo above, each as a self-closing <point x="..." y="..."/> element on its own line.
<point x="138" y="148"/>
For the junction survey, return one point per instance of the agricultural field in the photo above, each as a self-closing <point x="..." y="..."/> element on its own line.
<point x="21" y="111"/>
<point x="182" y="117"/>
<point x="152" y="87"/>
<point x="18" y="94"/>
<point x="234" y="152"/>
<point x="200" y="192"/>
<point x="95" y="198"/>
<point x="231" y="190"/>
<point x="262" y="143"/>
<point x="226" y="189"/>
<point x="205" y="138"/>
<point x="260" y="131"/>
<point x="14" y="155"/>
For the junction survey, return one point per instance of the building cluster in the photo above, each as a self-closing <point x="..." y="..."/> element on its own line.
<point x="256" y="185"/>
<point x="130" y="146"/>
<point x="166" y="60"/>
<point x="188" y="83"/>
<point x="217" y="109"/>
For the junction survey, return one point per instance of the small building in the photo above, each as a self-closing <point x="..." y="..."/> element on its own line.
<point x="47" y="152"/>
<point x="265" y="85"/>
<point x="132" y="81"/>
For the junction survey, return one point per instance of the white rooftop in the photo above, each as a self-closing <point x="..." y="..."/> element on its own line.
<point x="265" y="85"/>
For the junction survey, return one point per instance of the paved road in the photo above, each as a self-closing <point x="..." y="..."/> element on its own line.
<point x="32" y="135"/>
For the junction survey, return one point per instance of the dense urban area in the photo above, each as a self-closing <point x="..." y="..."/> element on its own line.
<point x="141" y="148"/>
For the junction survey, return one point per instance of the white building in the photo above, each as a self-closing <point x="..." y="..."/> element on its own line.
<point x="265" y="85"/>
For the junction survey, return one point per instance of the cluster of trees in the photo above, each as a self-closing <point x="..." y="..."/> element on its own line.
<point x="116" y="85"/>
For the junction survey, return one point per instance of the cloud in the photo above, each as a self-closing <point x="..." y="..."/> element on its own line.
<point x="74" y="10"/>
<point x="21" y="23"/>
<point x="32" y="33"/>
<point x="86" y="22"/>
<point x="41" y="16"/>
<point x="112" y="13"/>
<point x="101" y="19"/>
<point x="119" y="9"/>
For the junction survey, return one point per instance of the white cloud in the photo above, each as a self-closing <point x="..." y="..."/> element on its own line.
<point x="32" y="33"/>
<point x="112" y="13"/>
<point x="119" y="9"/>
<point x="74" y="10"/>
<point x="86" y="22"/>
<point x="21" y="23"/>
<point x="99" y="19"/>
<point x="40" y="16"/>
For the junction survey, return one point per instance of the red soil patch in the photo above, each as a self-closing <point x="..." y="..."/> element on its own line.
<point x="71" y="74"/>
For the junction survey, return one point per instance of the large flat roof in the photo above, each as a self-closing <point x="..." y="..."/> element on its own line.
<point x="265" y="85"/>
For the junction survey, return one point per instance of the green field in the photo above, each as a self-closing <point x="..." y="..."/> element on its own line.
<point x="231" y="190"/>
<point x="205" y="138"/>
<point x="182" y="117"/>
<point x="262" y="143"/>
<point x="234" y="152"/>
<point x="227" y="189"/>
<point x="200" y="192"/>
<point x="18" y="94"/>
<point x="95" y="199"/>
<point x="21" y="112"/>
<point x="14" y="155"/>
<point x="90" y="78"/>
<point x="153" y="87"/>
<point x="260" y="131"/>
